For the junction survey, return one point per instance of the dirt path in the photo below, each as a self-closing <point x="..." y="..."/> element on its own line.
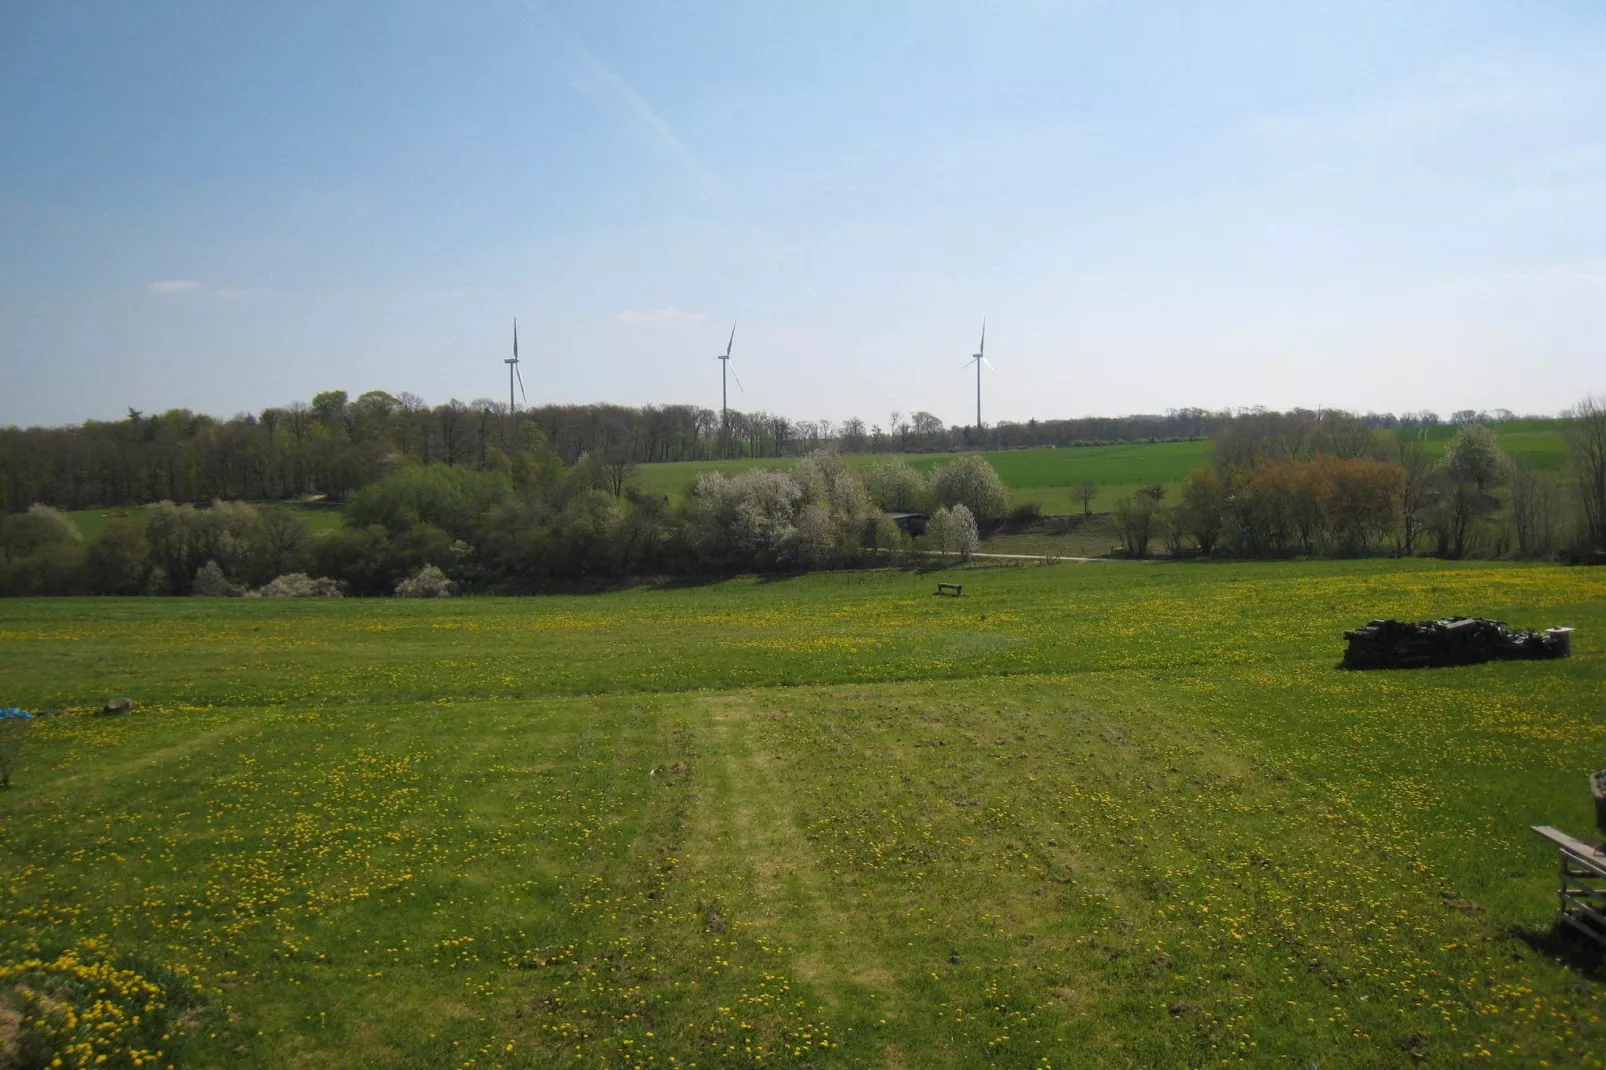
<point x="1024" y="557"/>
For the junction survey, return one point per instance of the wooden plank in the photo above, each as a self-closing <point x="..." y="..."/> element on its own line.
<point x="1577" y="850"/>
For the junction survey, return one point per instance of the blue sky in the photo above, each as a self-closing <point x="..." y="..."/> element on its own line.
<point x="1375" y="205"/>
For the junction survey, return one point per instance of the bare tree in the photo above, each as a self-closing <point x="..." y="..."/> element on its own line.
<point x="487" y="414"/>
<point x="452" y="416"/>
<point x="1586" y="456"/>
<point x="1417" y="489"/>
<point x="1533" y="509"/>
<point x="617" y="468"/>
<point x="1085" y="492"/>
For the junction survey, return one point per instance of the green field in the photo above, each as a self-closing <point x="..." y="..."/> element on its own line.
<point x="1086" y="815"/>
<point x="1046" y="475"/>
<point x="318" y="516"/>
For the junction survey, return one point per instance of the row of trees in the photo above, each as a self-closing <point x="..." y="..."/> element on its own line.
<point x="526" y="522"/>
<point x="336" y="445"/>
<point x="1330" y="483"/>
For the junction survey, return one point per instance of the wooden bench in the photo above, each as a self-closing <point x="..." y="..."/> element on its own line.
<point x="1583" y="884"/>
<point x="955" y="589"/>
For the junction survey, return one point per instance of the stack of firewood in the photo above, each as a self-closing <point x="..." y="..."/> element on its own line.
<point x="1398" y="644"/>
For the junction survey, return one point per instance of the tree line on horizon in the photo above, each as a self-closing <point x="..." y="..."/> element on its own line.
<point x="1279" y="484"/>
<point x="335" y="445"/>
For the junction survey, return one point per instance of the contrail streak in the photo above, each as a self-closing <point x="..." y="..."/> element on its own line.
<point x="599" y="76"/>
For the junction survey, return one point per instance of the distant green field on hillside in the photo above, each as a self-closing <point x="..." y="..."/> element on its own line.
<point x="1046" y="475"/>
<point x="319" y="516"/>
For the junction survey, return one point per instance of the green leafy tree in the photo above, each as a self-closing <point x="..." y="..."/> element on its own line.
<point x="119" y="562"/>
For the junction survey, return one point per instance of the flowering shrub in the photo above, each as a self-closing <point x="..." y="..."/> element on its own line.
<point x="210" y="582"/>
<point x="427" y="582"/>
<point x="954" y="530"/>
<point x="300" y="585"/>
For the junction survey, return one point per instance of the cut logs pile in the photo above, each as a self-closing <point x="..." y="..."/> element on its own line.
<point x="1398" y="644"/>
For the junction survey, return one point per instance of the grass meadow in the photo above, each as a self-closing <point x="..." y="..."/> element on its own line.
<point x="1086" y="815"/>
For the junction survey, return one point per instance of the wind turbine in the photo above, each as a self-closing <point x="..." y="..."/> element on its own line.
<point x="724" y="388"/>
<point x="513" y="370"/>
<point x="979" y="358"/>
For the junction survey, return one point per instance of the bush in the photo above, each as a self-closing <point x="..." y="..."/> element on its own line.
<point x="211" y="583"/>
<point x="43" y="554"/>
<point x="41" y="527"/>
<point x="444" y="496"/>
<point x="1024" y="516"/>
<point x="55" y="569"/>
<point x="970" y="481"/>
<point x="300" y="585"/>
<point x="370" y="561"/>
<point x="119" y="562"/>
<point x="427" y="582"/>
<point x="1135" y="518"/>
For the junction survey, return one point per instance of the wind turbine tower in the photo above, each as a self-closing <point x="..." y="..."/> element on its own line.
<point x="513" y="371"/>
<point x="979" y="358"/>
<point x="724" y="387"/>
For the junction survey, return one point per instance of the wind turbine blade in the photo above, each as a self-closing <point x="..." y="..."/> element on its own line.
<point x="989" y="364"/>
<point x="520" y="375"/>
<point x="732" y="340"/>
<point x="515" y="338"/>
<point x="968" y="363"/>
<point x="983" y="336"/>
<point x="738" y="378"/>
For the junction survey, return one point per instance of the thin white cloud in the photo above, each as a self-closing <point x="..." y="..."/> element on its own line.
<point x="599" y="79"/>
<point x="172" y="286"/>
<point x="668" y="315"/>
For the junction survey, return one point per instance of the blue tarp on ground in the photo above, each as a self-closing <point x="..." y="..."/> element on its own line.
<point x="12" y="711"/>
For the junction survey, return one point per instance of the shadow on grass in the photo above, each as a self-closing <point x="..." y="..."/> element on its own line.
<point x="1568" y="947"/>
